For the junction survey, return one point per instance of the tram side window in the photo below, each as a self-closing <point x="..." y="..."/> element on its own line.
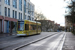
<point x="39" y="27"/>
<point x="30" y="27"/>
<point x="20" y="26"/>
<point x="33" y="27"/>
<point x="26" y="26"/>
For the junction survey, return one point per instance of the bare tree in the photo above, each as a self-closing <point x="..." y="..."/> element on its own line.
<point x="39" y="16"/>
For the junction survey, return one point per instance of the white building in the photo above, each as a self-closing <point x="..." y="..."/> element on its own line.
<point x="13" y="10"/>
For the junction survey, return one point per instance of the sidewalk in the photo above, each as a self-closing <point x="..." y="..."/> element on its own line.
<point x="4" y="35"/>
<point x="69" y="43"/>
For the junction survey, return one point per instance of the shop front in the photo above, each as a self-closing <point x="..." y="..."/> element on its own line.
<point x="10" y="25"/>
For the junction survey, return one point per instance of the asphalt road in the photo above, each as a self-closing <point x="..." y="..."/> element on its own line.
<point x="10" y="43"/>
<point x="54" y="42"/>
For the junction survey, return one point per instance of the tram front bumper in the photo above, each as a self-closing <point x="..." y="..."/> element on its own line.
<point x="21" y="34"/>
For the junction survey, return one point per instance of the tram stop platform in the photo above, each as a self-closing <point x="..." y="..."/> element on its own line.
<point x="69" y="43"/>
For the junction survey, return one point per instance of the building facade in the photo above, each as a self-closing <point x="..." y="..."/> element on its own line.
<point x="69" y="17"/>
<point x="56" y="27"/>
<point x="13" y="10"/>
<point x="47" y="25"/>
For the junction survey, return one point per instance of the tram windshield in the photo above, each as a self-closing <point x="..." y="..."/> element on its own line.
<point x="21" y="26"/>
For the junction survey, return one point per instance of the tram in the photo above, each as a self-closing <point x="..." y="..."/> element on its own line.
<point x="26" y="27"/>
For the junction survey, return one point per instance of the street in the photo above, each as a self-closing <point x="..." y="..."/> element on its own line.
<point x="10" y="43"/>
<point x="46" y="40"/>
<point x="50" y="43"/>
<point x="37" y="25"/>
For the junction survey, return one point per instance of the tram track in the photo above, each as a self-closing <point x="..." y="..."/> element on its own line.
<point x="33" y="42"/>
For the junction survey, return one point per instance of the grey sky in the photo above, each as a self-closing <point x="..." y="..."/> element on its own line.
<point x="52" y="9"/>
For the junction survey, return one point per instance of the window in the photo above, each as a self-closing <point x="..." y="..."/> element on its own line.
<point x="5" y="11"/>
<point x="26" y="26"/>
<point x="28" y="8"/>
<point x="32" y="19"/>
<point x="29" y="18"/>
<point x="20" y="5"/>
<point x="39" y="27"/>
<point x="21" y="16"/>
<point x="32" y="10"/>
<point x="15" y="3"/>
<point x="7" y="2"/>
<point x="20" y="26"/>
<point x="32" y="13"/>
<point x="32" y="27"/>
<point x="14" y="25"/>
<point x="0" y="9"/>
<point x="8" y="12"/>
<point x="25" y="6"/>
<point x="24" y="16"/>
<point x="0" y="0"/>
<point x="13" y="13"/>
